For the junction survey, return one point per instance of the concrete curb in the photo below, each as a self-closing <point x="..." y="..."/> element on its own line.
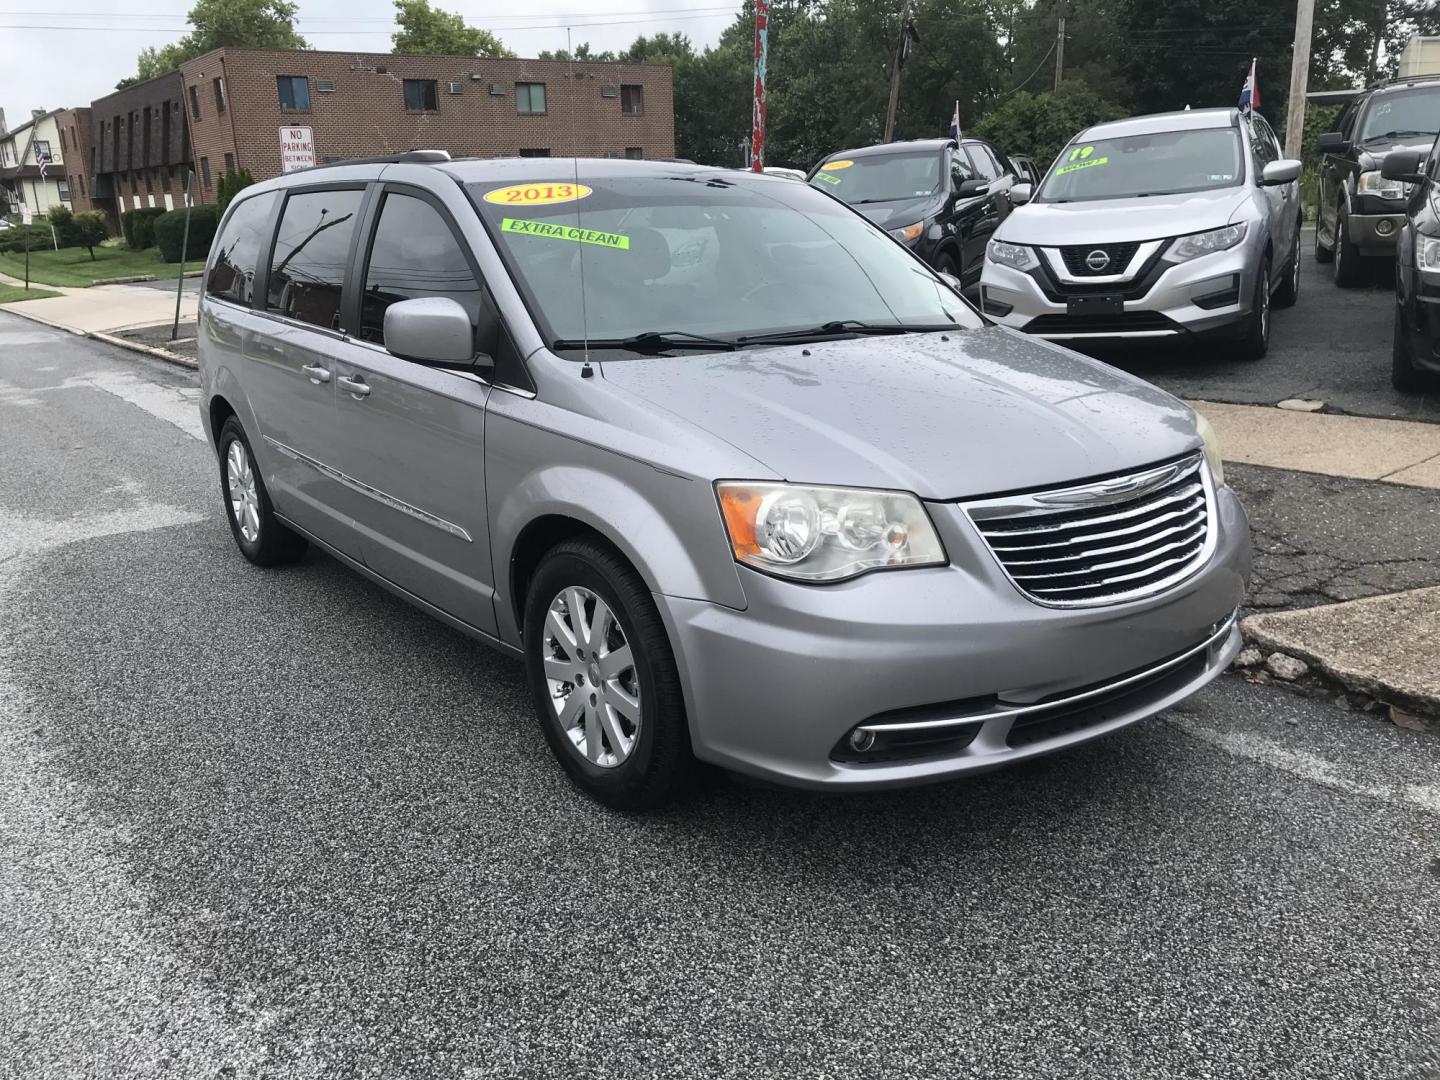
<point x="110" y="339"/>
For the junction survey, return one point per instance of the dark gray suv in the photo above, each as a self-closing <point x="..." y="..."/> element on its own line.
<point x="739" y="477"/>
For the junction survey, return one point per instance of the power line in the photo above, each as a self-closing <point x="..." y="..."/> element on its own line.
<point x="362" y="33"/>
<point x="566" y="20"/>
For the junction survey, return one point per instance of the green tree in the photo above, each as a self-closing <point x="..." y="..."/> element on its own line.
<point x="582" y="52"/>
<point x="90" y="231"/>
<point x="1041" y="124"/>
<point x="425" y="30"/>
<point x="254" y="24"/>
<point x="230" y="185"/>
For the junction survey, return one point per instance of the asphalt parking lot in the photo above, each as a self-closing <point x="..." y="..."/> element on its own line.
<point x="279" y="824"/>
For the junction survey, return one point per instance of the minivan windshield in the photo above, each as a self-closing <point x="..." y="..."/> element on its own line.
<point x="1157" y="163"/>
<point x="1402" y="115"/>
<point x="874" y="178"/>
<point x="705" y="255"/>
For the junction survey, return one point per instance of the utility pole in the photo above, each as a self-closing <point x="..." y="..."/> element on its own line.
<point x="1299" y="78"/>
<point x="895" y="73"/>
<point x="757" y="118"/>
<point x="1060" y="48"/>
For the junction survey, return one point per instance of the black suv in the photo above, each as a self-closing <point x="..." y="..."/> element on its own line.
<point x="1415" y="353"/>
<point x="1360" y="210"/>
<point x="941" y="198"/>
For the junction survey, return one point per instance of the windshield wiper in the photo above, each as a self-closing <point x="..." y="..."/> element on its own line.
<point x="839" y="327"/>
<point x="651" y="341"/>
<point x="1395" y="135"/>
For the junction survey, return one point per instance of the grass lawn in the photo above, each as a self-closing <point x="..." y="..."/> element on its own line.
<point x="10" y="293"/>
<point x="73" y="267"/>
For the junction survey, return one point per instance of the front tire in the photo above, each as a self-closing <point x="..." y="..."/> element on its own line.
<point x="1349" y="267"/>
<point x="1403" y="375"/>
<point x="1255" y="341"/>
<point x="259" y="534"/>
<point x="603" y="678"/>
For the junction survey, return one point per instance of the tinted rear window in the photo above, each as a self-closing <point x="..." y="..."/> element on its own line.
<point x="232" y="275"/>
<point x="307" y="271"/>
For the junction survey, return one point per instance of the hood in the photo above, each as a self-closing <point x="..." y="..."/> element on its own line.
<point x="898" y="214"/>
<point x="983" y="412"/>
<point x="1373" y="153"/>
<point x="1113" y="221"/>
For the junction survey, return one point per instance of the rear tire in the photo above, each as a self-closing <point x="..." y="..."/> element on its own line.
<point x="1255" y="341"/>
<point x="622" y="667"/>
<point x="259" y="534"/>
<point x="1403" y="375"/>
<point x="1289" y="290"/>
<point x="1349" y="267"/>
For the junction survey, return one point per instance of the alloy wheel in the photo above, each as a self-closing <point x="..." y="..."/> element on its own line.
<point x="1295" y="265"/>
<point x="244" y="496"/>
<point x="594" y="687"/>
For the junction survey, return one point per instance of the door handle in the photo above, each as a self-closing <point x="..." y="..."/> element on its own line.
<point x="316" y="373"/>
<point x="357" y="387"/>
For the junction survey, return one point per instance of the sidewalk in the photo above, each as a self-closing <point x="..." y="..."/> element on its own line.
<point x="105" y="311"/>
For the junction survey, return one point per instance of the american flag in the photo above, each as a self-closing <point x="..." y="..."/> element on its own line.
<point x="44" y="159"/>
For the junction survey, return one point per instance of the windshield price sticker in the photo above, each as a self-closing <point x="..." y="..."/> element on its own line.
<point x="537" y="194"/>
<point x="573" y="233"/>
<point x="1081" y="158"/>
<point x="827" y="178"/>
<point x="833" y="166"/>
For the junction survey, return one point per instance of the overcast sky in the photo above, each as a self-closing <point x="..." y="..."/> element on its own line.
<point x="42" y="66"/>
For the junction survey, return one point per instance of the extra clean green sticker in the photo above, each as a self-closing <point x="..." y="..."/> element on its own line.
<point x="566" y="232"/>
<point x="825" y="176"/>
<point x="1090" y="164"/>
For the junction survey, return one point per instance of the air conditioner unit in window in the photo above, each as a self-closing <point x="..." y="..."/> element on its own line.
<point x="457" y="88"/>
<point x="609" y="91"/>
<point x="324" y="86"/>
<point x="497" y="89"/>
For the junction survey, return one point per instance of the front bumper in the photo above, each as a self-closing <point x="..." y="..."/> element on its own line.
<point x="1161" y="303"/>
<point x="773" y="690"/>
<point x="1375" y="234"/>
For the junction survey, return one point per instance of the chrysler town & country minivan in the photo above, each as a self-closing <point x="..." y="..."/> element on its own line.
<point x="740" y="478"/>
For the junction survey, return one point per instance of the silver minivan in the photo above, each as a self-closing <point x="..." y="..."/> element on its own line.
<point x="741" y="479"/>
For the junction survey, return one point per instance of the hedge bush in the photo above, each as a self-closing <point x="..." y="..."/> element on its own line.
<point x="139" y="226"/>
<point x="13" y="241"/>
<point x="170" y="232"/>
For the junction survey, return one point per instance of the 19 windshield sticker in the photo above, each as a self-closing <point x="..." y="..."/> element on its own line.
<point x="572" y="233"/>
<point x="1081" y="158"/>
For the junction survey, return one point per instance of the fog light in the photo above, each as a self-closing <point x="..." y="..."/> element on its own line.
<point x="1384" y="227"/>
<point x="861" y="740"/>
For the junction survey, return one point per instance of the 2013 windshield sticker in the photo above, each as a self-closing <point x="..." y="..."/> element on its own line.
<point x="573" y="233"/>
<point x="1081" y="158"/>
<point x="537" y="194"/>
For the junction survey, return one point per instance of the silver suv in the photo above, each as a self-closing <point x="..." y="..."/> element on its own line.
<point x="739" y="477"/>
<point x="1179" y="225"/>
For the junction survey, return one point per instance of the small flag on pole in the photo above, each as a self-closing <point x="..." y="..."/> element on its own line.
<point x="955" y="122"/>
<point x="1250" y="92"/>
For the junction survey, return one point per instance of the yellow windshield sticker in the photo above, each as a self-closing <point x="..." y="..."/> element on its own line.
<point x="542" y="194"/>
<point x="573" y="233"/>
<point x="833" y="166"/>
<point x="828" y="178"/>
<point x="1090" y="164"/>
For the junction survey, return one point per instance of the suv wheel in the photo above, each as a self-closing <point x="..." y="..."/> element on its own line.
<point x="259" y="534"/>
<point x="603" y="678"/>
<point x="1403" y="375"/>
<point x="1255" y="342"/>
<point x="1289" y="290"/>
<point x="1349" y="266"/>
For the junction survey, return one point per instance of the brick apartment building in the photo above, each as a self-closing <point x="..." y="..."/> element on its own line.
<point x="236" y="101"/>
<point x="75" y="142"/>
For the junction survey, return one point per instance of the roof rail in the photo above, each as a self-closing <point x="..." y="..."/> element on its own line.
<point x="1400" y="80"/>
<point x="415" y="157"/>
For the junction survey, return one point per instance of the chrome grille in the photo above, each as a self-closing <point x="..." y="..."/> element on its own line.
<point x="1119" y="539"/>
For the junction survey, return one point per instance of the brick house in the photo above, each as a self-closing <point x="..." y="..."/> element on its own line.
<point x="236" y="101"/>
<point x="139" y="147"/>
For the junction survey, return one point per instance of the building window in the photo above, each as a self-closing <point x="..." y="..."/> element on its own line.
<point x="64" y="190"/>
<point x="219" y="85"/>
<point x="82" y="186"/>
<point x="205" y="173"/>
<point x="194" y="102"/>
<point x="134" y="185"/>
<point x="294" y="93"/>
<point x="229" y="163"/>
<point x="635" y="153"/>
<point x="529" y="97"/>
<point x="42" y="150"/>
<point x="420" y="95"/>
<point x="165" y="132"/>
<point x="632" y="99"/>
<point x="537" y="152"/>
<point x="150" y="180"/>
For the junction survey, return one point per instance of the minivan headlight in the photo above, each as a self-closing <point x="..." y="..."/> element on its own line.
<point x="1372" y="183"/>
<point x="1015" y="256"/>
<point x="1212" y="449"/>
<point x="1206" y="243"/>
<point x="909" y="234"/>
<point x="826" y="533"/>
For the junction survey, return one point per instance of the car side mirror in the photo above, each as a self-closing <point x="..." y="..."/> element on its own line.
<point x="951" y="280"/>
<point x="1332" y="142"/>
<point x="1402" y="165"/>
<point x="430" y="330"/>
<point x="970" y="189"/>
<point x="1021" y="194"/>
<point x="1280" y="172"/>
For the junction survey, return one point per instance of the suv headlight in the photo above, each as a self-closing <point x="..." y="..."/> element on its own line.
<point x="826" y="533"/>
<point x="1212" y="449"/>
<point x="1207" y="243"/>
<point x="1427" y="254"/>
<point x="909" y="234"/>
<point x="1015" y="256"/>
<point x="1372" y="183"/>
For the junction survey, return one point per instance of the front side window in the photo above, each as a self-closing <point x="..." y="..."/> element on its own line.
<point x="879" y="178"/>
<point x="237" y="251"/>
<point x="530" y="97"/>
<point x="1157" y="163"/>
<point x="420" y="95"/>
<point x="307" y="270"/>
<point x="294" y="93"/>
<point x="1404" y="114"/>
<point x="705" y="255"/>
<point x="414" y="254"/>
